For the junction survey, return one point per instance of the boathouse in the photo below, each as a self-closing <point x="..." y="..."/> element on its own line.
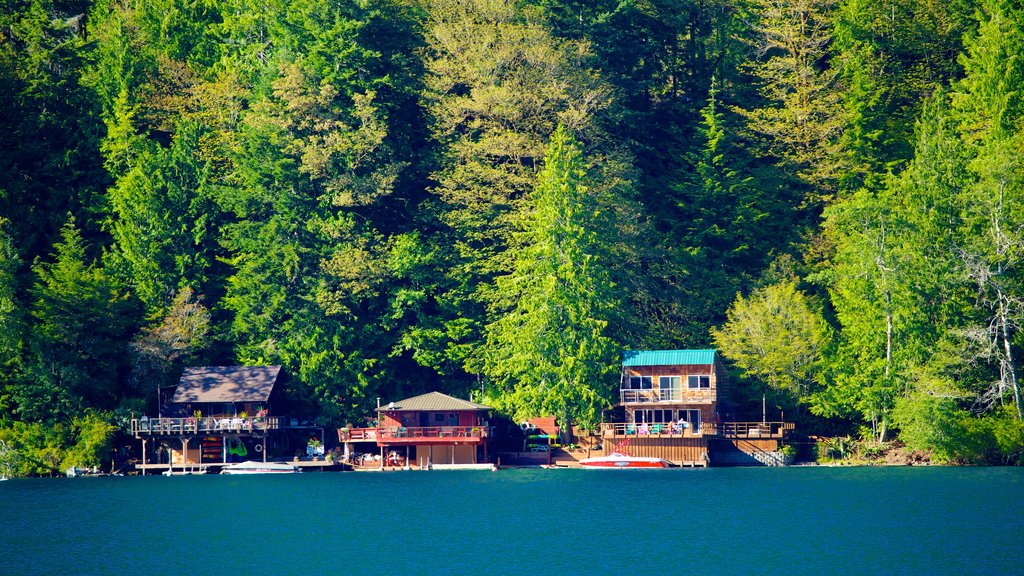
<point x="431" y="430"/>
<point x="216" y="415"/>
<point x="672" y="402"/>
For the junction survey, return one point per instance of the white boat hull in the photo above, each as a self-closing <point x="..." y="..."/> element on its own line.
<point x="619" y="460"/>
<point x="260" y="468"/>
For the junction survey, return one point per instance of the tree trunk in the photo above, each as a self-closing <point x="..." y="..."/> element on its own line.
<point x="888" y="333"/>
<point x="1009" y="371"/>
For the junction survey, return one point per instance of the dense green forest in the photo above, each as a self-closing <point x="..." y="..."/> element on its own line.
<point x="496" y="198"/>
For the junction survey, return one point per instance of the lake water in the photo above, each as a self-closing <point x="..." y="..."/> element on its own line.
<point x="801" y="520"/>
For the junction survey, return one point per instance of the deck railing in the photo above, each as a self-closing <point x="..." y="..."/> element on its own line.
<point x="401" y="432"/>
<point x="157" y="426"/>
<point x="633" y="396"/>
<point x="754" y="429"/>
<point x="725" y="429"/>
<point x="663" y="430"/>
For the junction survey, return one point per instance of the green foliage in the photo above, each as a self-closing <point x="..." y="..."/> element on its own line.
<point x="375" y="195"/>
<point x="11" y="321"/>
<point x="799" y="116"/>
<point x="34" y="449"/>
<point x="163" y="217"/>
<point x="78" y="344"/>
<point x="778" y="335"/>
<point x="546" y="350"/>
<point x="38" y="449"/>
<point x="92" y="434"/>
<point x="161" y="350"/>
<point x="833" y="449"/>
<point x="955" y="435"/>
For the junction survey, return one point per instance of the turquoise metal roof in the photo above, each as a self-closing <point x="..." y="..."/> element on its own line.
<point x="667" y="357"/>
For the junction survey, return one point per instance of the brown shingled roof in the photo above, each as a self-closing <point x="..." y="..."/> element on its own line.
<point x="226" y="384"/>
<point x="433" y="401"/>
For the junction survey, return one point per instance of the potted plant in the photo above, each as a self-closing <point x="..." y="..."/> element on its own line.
<point x="314" y="447"/>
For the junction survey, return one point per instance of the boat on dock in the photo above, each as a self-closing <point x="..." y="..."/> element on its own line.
<point x="251" y="467"/>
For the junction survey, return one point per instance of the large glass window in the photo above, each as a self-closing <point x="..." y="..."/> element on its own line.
<point x="669" y="387"/>
<point x="697" y="382"/>
<point x="665" y="382"/>
<point x="691" y="417"/>
<point x="641" y="382"/>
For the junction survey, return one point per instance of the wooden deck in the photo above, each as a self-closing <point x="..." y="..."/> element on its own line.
<point x="209" y="425"/>
<point x="416" y="435"/>
<point x="775" y="430"/>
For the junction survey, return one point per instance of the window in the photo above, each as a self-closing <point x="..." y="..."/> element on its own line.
<point x="691" y="417"/>
<point x="665" y="382"/>
<point x="439" y="418"/>
<point x="669" y="387"/>
<point x="695" y="382"/>
<point x="641" y="382"/>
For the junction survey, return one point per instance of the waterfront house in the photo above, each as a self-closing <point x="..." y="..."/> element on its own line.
<point x="673" y="401"/>
<point x="429" y="430"/>
<point x="216" y="415"/>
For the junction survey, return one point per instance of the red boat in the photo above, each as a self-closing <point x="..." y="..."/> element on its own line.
<point x="620" y="460"/>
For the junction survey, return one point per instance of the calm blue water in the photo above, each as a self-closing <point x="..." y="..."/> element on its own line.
<point x="878" y="521"/>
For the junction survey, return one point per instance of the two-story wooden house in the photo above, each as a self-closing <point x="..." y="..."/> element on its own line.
<point x="673" y="401"/>
<point x="430" y="430"/>
<point x="666" y="388"/>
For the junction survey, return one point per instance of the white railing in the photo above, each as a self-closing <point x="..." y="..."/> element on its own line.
<point x="663" y="430"/>
<point x="633" y="396"/>
<point x="199" y="425"/>
<point x="725" y="429"/>
<point x="754" y="429"/>
<point x="402" y="432"/>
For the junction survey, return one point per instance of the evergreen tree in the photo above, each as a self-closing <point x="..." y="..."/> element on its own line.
<point x="990" y="108"/>
<point x="799" y="117"/>
<point x="313" y="167"/>
<point x="163" y="219"/>
<point x="49" y="159"/>
<point x="77" y="355"/>
<point x="547" y="350"/>
<point x="12" y="328"/>
<point x="890" y="53"/>
<point x="498" y="85"/>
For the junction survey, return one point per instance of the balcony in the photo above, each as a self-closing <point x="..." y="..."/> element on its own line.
<point x="417" y="435"/>
<point x="210" y="425"/>
<point x="667" y="395"/>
